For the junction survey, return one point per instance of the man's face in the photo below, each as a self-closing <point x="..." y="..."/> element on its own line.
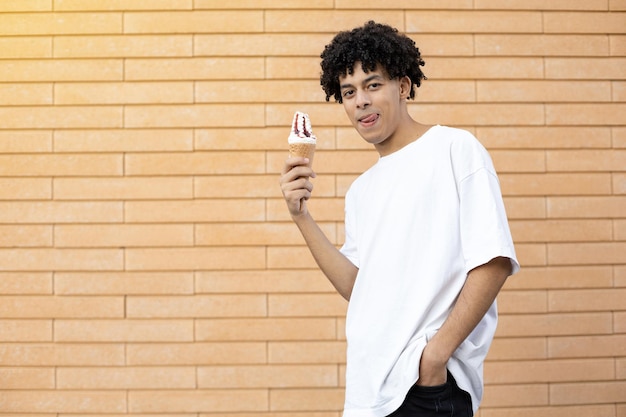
<point x="373" y="102"/>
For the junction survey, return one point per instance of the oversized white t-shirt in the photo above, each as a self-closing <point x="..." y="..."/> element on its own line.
<point x="416" y="223"/>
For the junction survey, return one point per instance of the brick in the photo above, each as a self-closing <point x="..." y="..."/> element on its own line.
<point x="555" y="184"/>
<point x="586" y="300"/>
<point x="555" y="277"/>
<point x="586" y="114"/>
<point x="61" y="70"/>
<point x="187" y="116"/>
<point x="195" y="306"/>
<point x="619" y="183"/>
<point x="250" y="186"/>
<point x="291" y="21"/>
<point x="197" y="68"/>
<point x="474" y="21"/>
<point x="123" y="330"/>
<point x="520" y="348"/>
<point x="26" y="283"/>
<point x="60" y="259"/>
<point x="531" y="254"/>
<point x="307" y="399"/>
<point x="518" y="160"/>
<point x="211" y="258"/>
<point x="579" y="346"/>
<point x="541" y="5"/>
<point x="49" y="117"/>
<point x="561" y="230"/>
<point x="123" y="235"/>
<point x="123" y="188"/>
<point x="584" y="68"/>
<point x="586" y="160"/>
<point x="272" y="376"/>
<point x="542" y="91"/>
<point x="277" y="281"/>
<point x="527" y="68"/>
<point x="340" y="162"/>
<point x="566" y="324"/>
<point x="122" y="46"/>
<point x="582" y="22"/>
<point x="511" y="302"/>
<point x="587" y="392"/>
<point x="25" y="141"/>
<point x="21" y="330"/>
<point x="60" y="23"/>
<point x="60" y="212"/>
<point x="320" y="352"/>
<point x="244" y="234"/>
<point x="61" y="165"/>
<point x="515" y="395"/>
<point x="258" y="91"/>
<point x="617" y="44"/>
<point x="291" y="257"/>
<point x="224" y="210"/>
<point x="507" y="372"/>
<point x="193" y="401"/>
<point x="194" y="22"/>
<point x="25" y="236"/>
<point x="292" y="67"/>
<point x="201" y="163"/>
<point x="123" y="5"/>
<point x="562" y="411"/>
<point x="620" y="322"/>
<point x="399" y="4"/>
<point x="525" y="207"/>
<point x="544" y="137"/>
<point x="126" y="378"/>
<point x="27" y="378"/>
<point x="79" y="401"/>
<point x="123" y="93"/>
<point x="542" y="45"/>
<point x="620" y="276"/>
<point x="261" y="44"/>
<point x="306" y="305"/>
<point x="478" y="114"/>
<point x="61" y="307"/>
<point x="619" y="229"/>
<point x="586" y="253"/>
<point x="20" y="94"/>
<point x="26" y="6"/>
<point x="136" y="140"/>
<point x="242" y="139"/>
<point x="196" y="354"/>
<point x="586" y="206"/>
<point x="266" y="329"/>
<point x="64" y="354"/>
<point x="619" y="91"/>
<point x="123" y="283"/>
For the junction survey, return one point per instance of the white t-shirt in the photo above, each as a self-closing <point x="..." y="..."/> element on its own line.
<point x="416" y="223"/>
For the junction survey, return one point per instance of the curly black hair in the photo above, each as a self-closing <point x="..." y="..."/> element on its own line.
<point x="372" y="44"/>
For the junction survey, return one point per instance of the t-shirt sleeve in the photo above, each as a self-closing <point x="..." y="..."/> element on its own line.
<point x="485" y="232"/>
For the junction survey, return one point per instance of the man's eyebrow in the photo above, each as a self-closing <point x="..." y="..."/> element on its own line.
<point x="365" y="81"/>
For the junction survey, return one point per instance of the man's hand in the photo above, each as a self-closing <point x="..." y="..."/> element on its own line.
<point x="433" y="370"/>
<point x="295" y="184"/>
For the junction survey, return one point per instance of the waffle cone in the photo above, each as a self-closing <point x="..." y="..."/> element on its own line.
<point x="306" y="150"/>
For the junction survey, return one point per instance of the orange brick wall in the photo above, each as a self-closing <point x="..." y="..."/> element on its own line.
<point x="147" y="262"/>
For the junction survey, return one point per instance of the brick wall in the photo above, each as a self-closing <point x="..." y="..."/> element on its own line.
<point x="147" y="262"/>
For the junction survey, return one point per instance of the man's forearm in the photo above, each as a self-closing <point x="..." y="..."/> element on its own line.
<point x="480" y="290"/>
<point x="337" y="268"/>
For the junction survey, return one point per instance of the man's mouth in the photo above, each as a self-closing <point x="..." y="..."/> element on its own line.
<point x="369" y="119"/>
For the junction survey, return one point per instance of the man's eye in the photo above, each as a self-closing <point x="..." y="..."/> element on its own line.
<point x="347" y="93"/>
<point x="374" y="85"/>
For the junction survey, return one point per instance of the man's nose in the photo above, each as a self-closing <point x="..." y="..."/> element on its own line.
<point x="362" y="99"/>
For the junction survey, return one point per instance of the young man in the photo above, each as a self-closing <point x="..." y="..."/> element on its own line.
<point x="427" y="245"/>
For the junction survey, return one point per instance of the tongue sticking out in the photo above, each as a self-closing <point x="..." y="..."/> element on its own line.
<point x="369" y="119"/>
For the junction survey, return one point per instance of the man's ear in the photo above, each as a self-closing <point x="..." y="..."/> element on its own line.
<point x="405" y="87"/>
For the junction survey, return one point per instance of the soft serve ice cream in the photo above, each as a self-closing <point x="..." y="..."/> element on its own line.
<point x="302" y="141"/>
